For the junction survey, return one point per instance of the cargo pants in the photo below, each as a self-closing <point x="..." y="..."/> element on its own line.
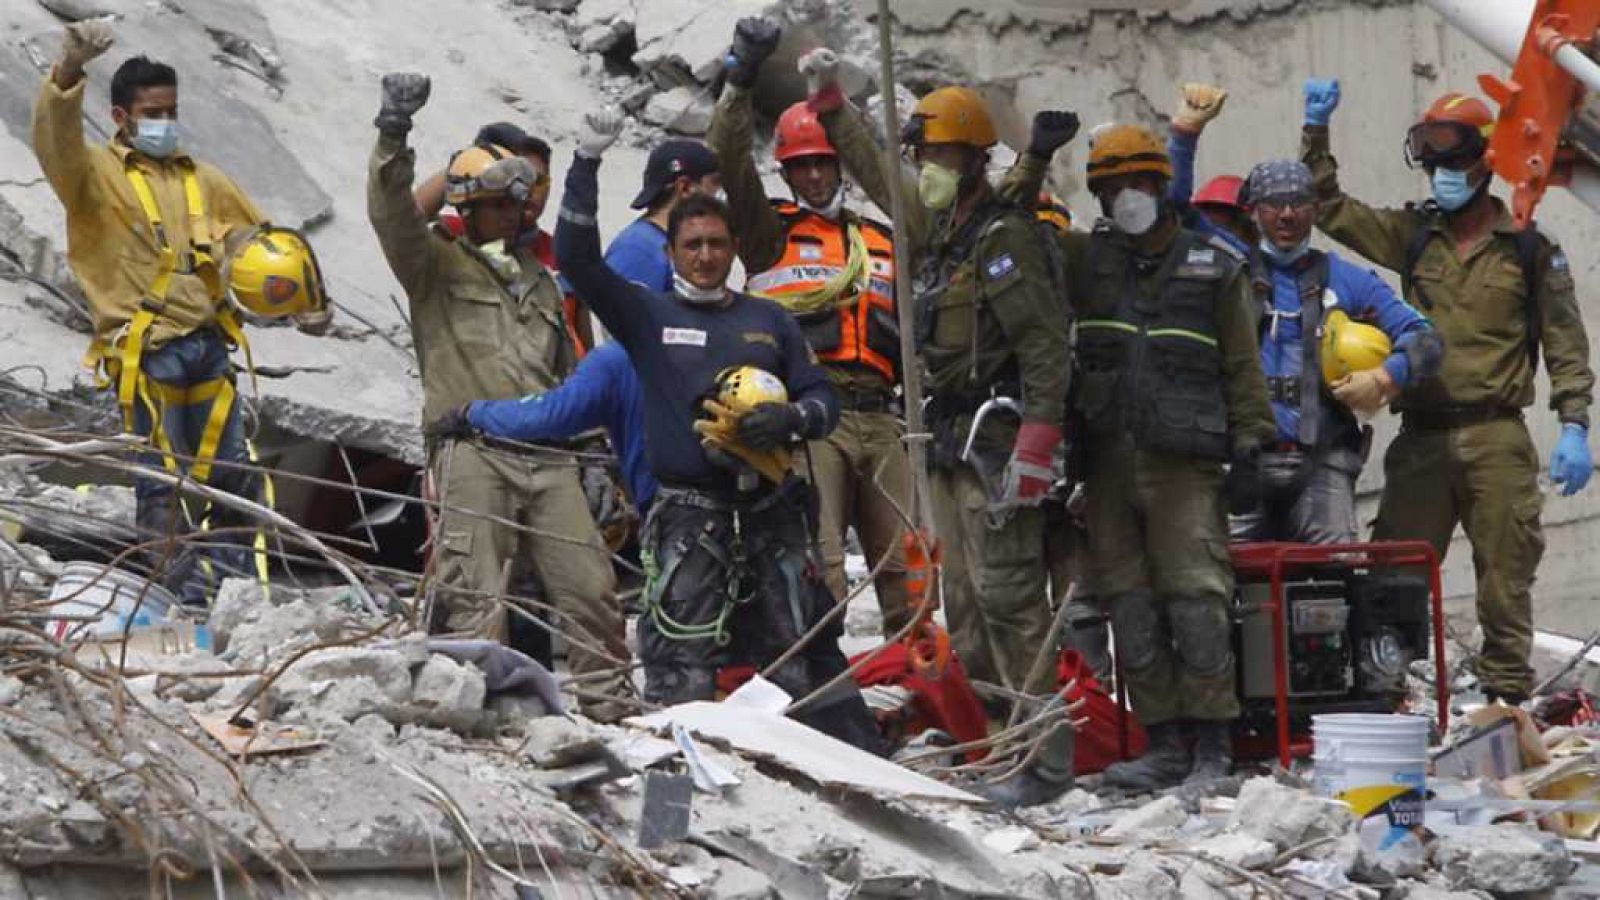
<point x="861" y="475"/>
<point x="1485" y="476"/>
<point x="563" y="548"/>
<point x="1159" y="554"/>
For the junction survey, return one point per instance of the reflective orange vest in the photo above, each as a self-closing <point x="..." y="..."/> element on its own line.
<point x="857" y="324"/>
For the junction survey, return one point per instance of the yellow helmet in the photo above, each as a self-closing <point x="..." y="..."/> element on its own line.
<point x="1125" y="149"/>
<point x="740" y="390"/>
<point x="485" y="171"/>
<point x="275" y="274"/>
<point x="952" y="115"/>
<point x="1050" y="209"/>
<point x="1348" y="346"/>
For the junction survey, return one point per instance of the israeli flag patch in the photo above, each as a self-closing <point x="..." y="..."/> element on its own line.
<point x="1000" y="267"/>
<point x="1559" y="263"/>
<point x="1202" y="256"/>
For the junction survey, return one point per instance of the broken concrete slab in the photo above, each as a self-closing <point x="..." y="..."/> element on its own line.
<point x="683" y="110"/>
<point x="1156" y="819"/>
<point x="448" y="694"/>
<point x="801" y="749"/>
<point x="344" y="683"/>
<point x="1286" y="816"/>
<point x="1503" y="858"/>
<point x="1240" y="849"/>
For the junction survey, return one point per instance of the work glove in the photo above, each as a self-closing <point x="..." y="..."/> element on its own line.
<point x="82" y="42"/>
<point x="771" y="425"/>
<point x="1030" y="471"/>
<point x="1242" y="486"/>
<point x="1365" y="392"/>
<point x="1198" y="104"/>
<point x="1571" y="464"/>
<point x="821" y="69"/>
<point x="598" y="132"/>
<point x="1322" y="98"/>
<point x="403" y="94"/>
<point x="754" y="39"/>
<point x="1052" y="130"/>
<point x="453" y="424"/>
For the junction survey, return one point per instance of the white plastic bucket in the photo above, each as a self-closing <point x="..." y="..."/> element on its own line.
<point x="1377" y="764"/>
<point x="99" y="601"/>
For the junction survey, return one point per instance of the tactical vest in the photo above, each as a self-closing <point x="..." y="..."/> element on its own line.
<point x="1322" y="424"/>
<point x="1151" y="364"/>
<point x="843" y="300"/>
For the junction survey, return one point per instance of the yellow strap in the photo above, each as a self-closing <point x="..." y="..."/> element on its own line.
<point x="222" y="398"/>
<point x="228" y="321"/>
<point x="269" y="496"/>
<point x="158" y="432"/>
<point x="836" y="292"/>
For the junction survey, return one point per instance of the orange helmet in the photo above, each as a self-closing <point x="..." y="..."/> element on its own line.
<point x="1049" y="208"/>
<point x="1125" y="150"/>
<point x="951" y="115"/>
<point x="1223" y="191"/>
<point x="800" y="133"/>
<point x="1456" y="128"/>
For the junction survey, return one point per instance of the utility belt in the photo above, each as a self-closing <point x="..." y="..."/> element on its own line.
<point x="1444" y="418"/>
<point x="873" y="401"/>
<point x="729" y="501"/>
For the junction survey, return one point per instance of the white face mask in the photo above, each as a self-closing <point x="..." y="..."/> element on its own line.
<point x="155" y="138"/>
<point x="1134" y="211"/>
<point x="831" y="211"/>
<point x="697" y="296"/>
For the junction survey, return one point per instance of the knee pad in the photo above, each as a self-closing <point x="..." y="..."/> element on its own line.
<point x="1200" y="629"/>
<point x="1137" y="624"/>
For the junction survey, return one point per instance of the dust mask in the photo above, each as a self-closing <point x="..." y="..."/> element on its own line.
<point x="937" y="186"/>
<point x="697" y="296"/>
<point x="829" y="211"/>
<point x="1282" y="257"/>
<point x="1452" y="190"/>
<point x="155" y="138"/>
<point x="501" y="261"/>
<point x="1134" y="211"/>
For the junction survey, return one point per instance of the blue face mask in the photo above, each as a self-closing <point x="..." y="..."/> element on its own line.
<point x="1452" y="189"/>
<point x="1282" y="257"/>
<point x="156" y="138"/>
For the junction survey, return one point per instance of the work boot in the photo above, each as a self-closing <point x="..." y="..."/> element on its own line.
<point x="1213" y="752"/>
<point x="1026" y="788"/>
<point x="1165" y="762"/>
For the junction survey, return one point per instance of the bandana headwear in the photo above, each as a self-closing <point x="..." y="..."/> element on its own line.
<point x="1279" y="178"/>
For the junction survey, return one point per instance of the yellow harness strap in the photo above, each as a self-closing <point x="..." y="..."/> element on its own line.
<point x="836" y="292"/>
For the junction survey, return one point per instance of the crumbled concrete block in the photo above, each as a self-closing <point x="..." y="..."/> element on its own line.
<point x="555" y="742"/>
<point x="1203" y="882"/>
<point x="560" y="6"/>
<point x="448" y="693"/>
<point x="1238" y="848"/>
<point x="346" y="683"/>
<point x="603" y="38"/>
<point x="1415" y="891"/>
<point x="1286" y="816"/>
<point x="1141" y="879"/>
<point x="1163" y="814"/>
<point x="1503" y="859"/>
<point x="682" y="110"/>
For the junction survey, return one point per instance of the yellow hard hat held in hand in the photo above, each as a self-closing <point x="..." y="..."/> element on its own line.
<point x="274" y="273"/>
<point x="1349" y="346"/>
<point x="739" y="391"/>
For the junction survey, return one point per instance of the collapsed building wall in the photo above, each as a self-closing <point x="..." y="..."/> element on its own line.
<point x="281" y="95"/>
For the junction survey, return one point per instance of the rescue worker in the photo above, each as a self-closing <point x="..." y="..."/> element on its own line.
<point x="677" y="169"/>
<point x="834" y="271"/>
<point x="1317" y="310"/>
<point x="1496" y="296"/>
<point x="1169" y="388"/>
<point x="486" y="321"/>
<point x="730" y="575"/>
<point x="150" y="231"/>
<point x="1215" y="208"/>
<point x="991" y="324"/>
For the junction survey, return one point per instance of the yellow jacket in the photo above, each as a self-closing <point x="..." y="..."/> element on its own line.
<point x="110" y="245"/>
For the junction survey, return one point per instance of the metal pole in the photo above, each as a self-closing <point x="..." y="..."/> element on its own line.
<point x="916" y="445"/>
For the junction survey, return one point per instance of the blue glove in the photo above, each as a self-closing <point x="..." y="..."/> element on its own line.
<point x="1571" y="465"/>
<point x="1322" y="98"/>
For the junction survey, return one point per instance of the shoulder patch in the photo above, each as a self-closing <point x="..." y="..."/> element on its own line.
<point x="1559" y="261"/>
<point x="1227" y="249"/>
<point x="1205" y="255"/>
<point x="1000" y="266"/>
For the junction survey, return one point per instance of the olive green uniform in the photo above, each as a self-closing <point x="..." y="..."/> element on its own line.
<point x="989" y="320"/>
<point x="1463" y="453"/>
<point x="860" y="471"/>
<point x="483" y="333"/>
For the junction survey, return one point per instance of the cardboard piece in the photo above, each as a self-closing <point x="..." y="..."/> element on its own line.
<point x="1573" y="778"/>
<point x="246" y="739"/>
<point x="794" y="746"/>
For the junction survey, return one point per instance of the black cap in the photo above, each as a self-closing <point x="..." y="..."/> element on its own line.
<point x="670" y="161"/>
<point x="513" y="138"/>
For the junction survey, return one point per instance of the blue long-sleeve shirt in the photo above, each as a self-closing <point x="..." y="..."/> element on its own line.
<point x="1182" y="149"/>
<point x="603" y="391"/>
<point x="639" y="254"/>
<point x="1356" y="290"/>
<point x="678" y="348"/>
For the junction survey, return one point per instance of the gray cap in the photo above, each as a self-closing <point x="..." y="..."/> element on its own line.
<point x="1278" y="178"/>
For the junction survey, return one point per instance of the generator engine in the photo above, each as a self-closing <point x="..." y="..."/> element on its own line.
<point x="1349" y="636"/>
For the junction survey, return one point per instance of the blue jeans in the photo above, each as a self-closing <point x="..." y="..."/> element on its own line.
<point x="191" y="360"/>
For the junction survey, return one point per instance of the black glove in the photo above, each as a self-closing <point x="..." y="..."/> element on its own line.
<point x="1242" y="487"/>
<point x="771" y="425"/>
<point x="754" y="39"/>
<point x="1052" y="130"/>
<point x="403" y="94"/>
<point x="451" y="425"/>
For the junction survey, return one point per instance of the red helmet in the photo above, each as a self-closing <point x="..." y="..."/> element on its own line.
<point x="800" y="133"/>
<point x="1455" y="129"/>
<point x="1223" y="190"/>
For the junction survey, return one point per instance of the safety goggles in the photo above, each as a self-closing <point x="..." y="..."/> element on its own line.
<point x="1443" y="144"/>
<point x="1279" y="204"/>
<point x="512" y="177"/>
